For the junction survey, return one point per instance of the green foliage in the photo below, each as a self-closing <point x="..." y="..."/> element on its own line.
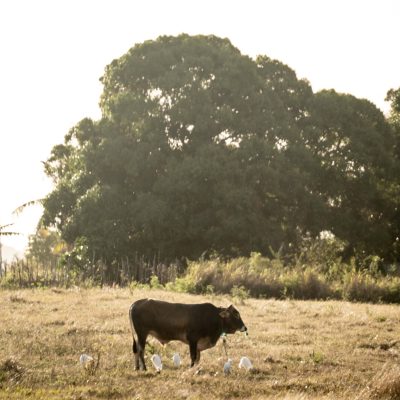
<point x="77" y="260"/>
<point x="155" y="282"/>
<point x="308" y="284"/>
<point x="7" y="233"/>
<point x="201" y="149"/>
<point x="393" y="96"/>
<point x="241" y="278"/>
<point x="240" y="293"/>
<point x="210" y="290"/>
<point x="9" y="282"/>
<point x="354" y="145"/>
<point x="360" y="286"/>
<point x="259" y="276"/>
<point x="182" y="285"/>
<point x="134" y="285"/>
<point x="317" y="357"/>
<point x="45" y="246"/>
<point x="325" y="251"/>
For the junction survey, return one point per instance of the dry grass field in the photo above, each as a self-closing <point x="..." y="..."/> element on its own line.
<point x="300" y="350"/>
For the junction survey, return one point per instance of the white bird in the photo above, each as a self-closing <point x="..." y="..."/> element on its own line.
<point x="86" y="361"/>
<point x="245" y="363"/>
<point x="156" y="360"/>
<point x="227" y="367"/>
<point x="176" y="360"/>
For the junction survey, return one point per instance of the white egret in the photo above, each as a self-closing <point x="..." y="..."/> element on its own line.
<point x="86" y="361"/>
<point x="156" y="360"/>
<point x="227" y="367"/>
<point x="176" y="360"/>
<point x="245" y="363"/>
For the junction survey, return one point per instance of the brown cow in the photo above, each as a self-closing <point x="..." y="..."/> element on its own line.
<point x="198" y="325"/>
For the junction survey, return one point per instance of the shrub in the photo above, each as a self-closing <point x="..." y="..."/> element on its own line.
<point x="240" y="293"/>
<point x="256" y="276"/>
<point x="155" y="282"/>
<point x="392" y="290"/>
<point x="305" y="285"/>
<point x="133" y="285"/>
<point x="9" y="282"/>
<point x="182" y="285"/>
<point x="361" y="287"/>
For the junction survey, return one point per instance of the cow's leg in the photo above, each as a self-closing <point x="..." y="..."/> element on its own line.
<point x="193" y="352"/>
<point x="197" y="357"/>
<point x="136" y="354"/>
<point x="141" y="346"/>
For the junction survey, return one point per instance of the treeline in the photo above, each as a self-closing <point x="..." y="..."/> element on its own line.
<point x="202" y="150"/>
<point x="318" y="274"/>
<point x="317" y="271"/>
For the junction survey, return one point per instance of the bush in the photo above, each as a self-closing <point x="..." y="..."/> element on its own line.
<point x="306" y="285"/>
<point x="182" y="285"/>
<point x="392" y="290"/>
<point x="155" y="282"/>
<point x="361" y="287"/>
<point x="256" y="276"/>
<point x="240" y="293"/>
<point x="134" y="285"/>
<point x="259" y="276"/>
<point x="9" y="282"/>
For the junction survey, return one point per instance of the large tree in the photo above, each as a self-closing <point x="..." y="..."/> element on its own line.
<point x="203" y="149"/>
<point x="393" y="96"/>
<point x="354" y="145"/>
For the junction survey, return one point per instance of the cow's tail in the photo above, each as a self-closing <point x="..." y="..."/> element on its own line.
<point x="134" y="346"/>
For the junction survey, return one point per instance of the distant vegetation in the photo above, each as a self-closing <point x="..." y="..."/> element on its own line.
<point x="261" y="277"/>
<point x="317" y="273"/>
<point x="203" y="153"/>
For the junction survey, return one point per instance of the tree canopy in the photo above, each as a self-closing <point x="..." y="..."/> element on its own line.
<point x="201" y="149"/>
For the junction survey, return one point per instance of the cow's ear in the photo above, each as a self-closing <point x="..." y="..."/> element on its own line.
<point x="224" y="313"/>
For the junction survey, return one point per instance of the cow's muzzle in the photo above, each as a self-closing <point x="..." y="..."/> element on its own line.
<point x="243" y="328"/>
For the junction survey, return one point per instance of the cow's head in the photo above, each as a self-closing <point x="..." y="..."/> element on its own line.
<point x="231" y="320"/>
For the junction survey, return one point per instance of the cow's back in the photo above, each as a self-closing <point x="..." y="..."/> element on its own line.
<point x="173" y="321"/>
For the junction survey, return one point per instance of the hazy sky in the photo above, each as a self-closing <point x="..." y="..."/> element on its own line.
<point x="54" y="52"/>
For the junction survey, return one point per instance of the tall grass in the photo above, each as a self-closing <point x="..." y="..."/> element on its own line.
<point x="385" y="385"/>
<point x="271" y="278"/>
<point x="316" y="274"/>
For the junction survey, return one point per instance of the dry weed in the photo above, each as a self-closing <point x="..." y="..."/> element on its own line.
<point x="385" y="385"/>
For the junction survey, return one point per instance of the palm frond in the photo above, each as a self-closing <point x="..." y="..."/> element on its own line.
<point x="5" y="226"/>
<point x="22" y="207"/>
<point x="3" y="233"/>
<point x="8" y="233"/>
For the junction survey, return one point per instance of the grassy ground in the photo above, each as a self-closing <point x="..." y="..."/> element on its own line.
<point x="300" y="350"/>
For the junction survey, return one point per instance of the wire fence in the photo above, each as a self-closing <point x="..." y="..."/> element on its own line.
<point x="31" y="273"/>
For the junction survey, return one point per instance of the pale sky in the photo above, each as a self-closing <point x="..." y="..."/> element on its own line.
<point x="54" y="52"/>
